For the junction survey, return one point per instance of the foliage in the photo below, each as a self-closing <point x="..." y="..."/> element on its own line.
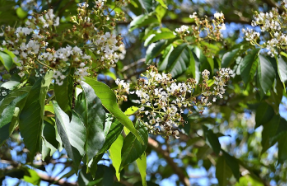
<point x="134" y="92"/>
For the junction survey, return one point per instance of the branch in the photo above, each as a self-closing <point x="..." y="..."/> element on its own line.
<point x="154" y="144"/>
<point x="53" y="180"/>
<point x="135" y="64"/>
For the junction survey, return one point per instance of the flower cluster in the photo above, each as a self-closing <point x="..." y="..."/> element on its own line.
<point x="210" y="31"/>
<point x="162" y="99"/>
<point x="271" y="25"/>
<point x="87" y="46"/>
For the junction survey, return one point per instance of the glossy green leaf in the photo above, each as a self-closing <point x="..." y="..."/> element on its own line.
<point x="133" y="149"/>
<point x="6" y="61"/>
<point x="264" y="114"/>
<point x="73" y="134"/>
<point x="177" y="60"/>
<point x="223" y="172"/>
<point x="228" y="58"/>
<point x="109" y="101"/>
<point x="32" y="115"/>
<point x="95" y="119"/>
<point x="266" y="73"/>
<point x="141" y="162"/>
<point x="248" y="65"/>
<point x="115" y="154"/>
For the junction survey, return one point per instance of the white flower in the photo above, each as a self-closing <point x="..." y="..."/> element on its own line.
<point x="218" y="15"/>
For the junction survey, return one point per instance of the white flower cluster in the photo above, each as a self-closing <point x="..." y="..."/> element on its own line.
<point x="182" y="29"/>
<point x="211" y="29"/>
<point x="83" y="48"/>
<point x="162" y="100"/>
<point x="108" y="49"/>
<point x="270" y="22"/>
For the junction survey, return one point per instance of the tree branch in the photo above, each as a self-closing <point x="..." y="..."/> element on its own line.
<point x="53" y="180"/>
<point x="154" y="144"/>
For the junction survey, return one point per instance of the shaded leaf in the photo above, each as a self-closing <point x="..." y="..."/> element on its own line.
<point x="264" y="114"/>
<point x="223" y="172"/>
<point x="95" y="119"/>
<point x="73" y="134"/>
<point x="132" y="148"/>
<point x="266" y="73"/>
<point x="248" y="65"/>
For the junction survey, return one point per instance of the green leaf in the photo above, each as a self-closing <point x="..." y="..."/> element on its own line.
<point x="109" y="101"/>
<point x="21" y="13"/>
<point x="205" y="63"/>
<point x="177" y="60"/>
<point x="133" y="149"/>
<point x="32" y="115"/>
<point x="223" y="172"/>
<point x="228" y="58"/>
<point x="8" y="105"/>
<point x="147" y="5"/>
<point x="162" y="65"/>
<point x="266" y="73"/>
<point x="162" y="3"/>
<point x="73" y="134"/>
<point x="248" y="66"/>
<point x="11" y="85"/>
<point x="269" y="132"/>
<point x="264" y="114"/>
<point x="248" y="180"/>
<point x="233" y="164"/>
<point x="158" y="36"/>
<point x="131" y="110"/>
<point x="34" y="178"/>
<point x="153" y="50"/>
<point x="115" y="154"/>
<point x="115" y="130"/>
<point x="6" y="61"/>
<point x="282" y="67"/>
<point x="64" y="93"/>
<point x="194" y="67"/>
<point x="282" y="150"/>
<point x="95" y="119"/>
<point x="143" y="20"/>
<point x="141" y="162"/>
<point x="212" y="140"/>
